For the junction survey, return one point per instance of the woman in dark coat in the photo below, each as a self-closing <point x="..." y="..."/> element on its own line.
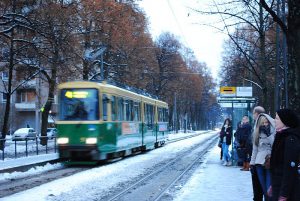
<point x="285" y="164"/>
<point x="225" y="138"/>
<point x="243" y="136"/>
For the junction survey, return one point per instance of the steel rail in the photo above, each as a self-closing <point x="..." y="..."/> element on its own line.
<point x="125" y="191"/>
<point x="187" y="137"/>
<point x="189" y="167"/>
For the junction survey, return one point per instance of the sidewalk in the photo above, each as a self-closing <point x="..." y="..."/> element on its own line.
<point x="25" y="162"/>
<point x="215" y="182"/>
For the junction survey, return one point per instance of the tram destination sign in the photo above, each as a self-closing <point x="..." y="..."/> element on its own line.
<point x="232" y="100"/>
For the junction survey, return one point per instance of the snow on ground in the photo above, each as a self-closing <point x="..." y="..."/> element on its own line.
<point x="6" y="164"/>
<point x="95" y="182"/>
<point x="215" y="182"/>
<point x="31" y="171"/>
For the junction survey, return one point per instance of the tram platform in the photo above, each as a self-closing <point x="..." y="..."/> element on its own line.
<point x="213" y="181"/>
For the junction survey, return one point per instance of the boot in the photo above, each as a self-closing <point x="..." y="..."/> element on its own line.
<point x="244" y="166"/>
<point x="247" y="166"/>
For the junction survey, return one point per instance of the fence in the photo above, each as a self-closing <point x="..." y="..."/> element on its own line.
<point x="27" y="147"/>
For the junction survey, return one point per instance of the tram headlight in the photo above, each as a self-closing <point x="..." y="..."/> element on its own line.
<point x="91" y="140"/>
<point x="62" y="140"/>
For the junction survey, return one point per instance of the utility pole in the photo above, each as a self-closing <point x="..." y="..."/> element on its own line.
<point x="174" y="114"/>
<point x="284" y="54"/>
<point x="277" y="67"/>
<point x="96" y="54"/>
<point x="101" y="70"/>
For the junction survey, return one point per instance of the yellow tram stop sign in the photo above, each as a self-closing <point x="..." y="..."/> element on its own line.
<point x="227" y="91"/>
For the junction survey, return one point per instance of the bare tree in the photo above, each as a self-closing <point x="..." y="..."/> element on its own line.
<point x="292" y="32"/>
<point x="15" y="35"/>
<point x="54" y="41"/>
<point x="251" y="24"/>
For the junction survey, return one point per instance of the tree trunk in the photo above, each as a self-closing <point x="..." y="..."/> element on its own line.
<point x="263" y="66"/>
<point x="8" y="94"/>
<point x="48" y="105"/>
<point x="293" y="42"/>
<point x="85" y="70"/>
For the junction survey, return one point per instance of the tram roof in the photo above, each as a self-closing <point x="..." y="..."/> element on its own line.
<point x="109" y="88"/>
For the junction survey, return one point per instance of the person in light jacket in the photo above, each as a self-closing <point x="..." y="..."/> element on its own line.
<point x="263" y="138"/>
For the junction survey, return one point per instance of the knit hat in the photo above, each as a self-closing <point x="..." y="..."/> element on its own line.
<point x="288" y="117"/>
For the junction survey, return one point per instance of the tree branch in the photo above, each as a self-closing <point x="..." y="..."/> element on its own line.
<point x="276" y="18"/>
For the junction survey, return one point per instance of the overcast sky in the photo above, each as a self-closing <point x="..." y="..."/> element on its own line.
<point x="177" y="17"/>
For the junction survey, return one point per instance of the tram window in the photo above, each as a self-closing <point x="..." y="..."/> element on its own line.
<point x="104" y="106"/>
<point x="131" y="111"/>
<point x="160" y="114"/>
<point x="128" y="105"/>
<point x="113" y="108"/>
<point x="149" y="116"/>
<point x="126" y="110"/>
<point x="78" y="104"/>
<point x="120" y="109"/>
<point x="166" y="115"/>
<point x="136" y="111"/>
<point x="145" y="113"/>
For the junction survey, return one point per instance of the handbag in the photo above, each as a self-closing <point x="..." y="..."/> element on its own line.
<point x="220" y="143"/>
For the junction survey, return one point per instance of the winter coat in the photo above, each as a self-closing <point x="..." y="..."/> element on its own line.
<point x="226" y="133"/>
<point x="265" y="143"/>
<point x="285" y="165"/>
<point x="243" y="135"/>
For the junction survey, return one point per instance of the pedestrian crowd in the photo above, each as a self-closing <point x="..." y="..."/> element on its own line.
<point x="270" y="150"/>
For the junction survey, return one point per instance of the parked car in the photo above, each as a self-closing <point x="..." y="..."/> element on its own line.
<point x="24" y="133"/>
<point x="51" y="133"/>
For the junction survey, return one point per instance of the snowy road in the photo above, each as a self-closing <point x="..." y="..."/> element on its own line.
<point x="99" y="182"/>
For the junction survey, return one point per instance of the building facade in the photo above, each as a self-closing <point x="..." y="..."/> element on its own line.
<point x="26" y="103"/>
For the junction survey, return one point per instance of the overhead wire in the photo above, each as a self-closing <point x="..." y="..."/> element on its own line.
<point x="177" y="23"/>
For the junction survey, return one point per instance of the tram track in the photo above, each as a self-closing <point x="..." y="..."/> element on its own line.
<point x="155" y="185"/>
<point x="17" y="185"/>
<point x="186" y="137"/>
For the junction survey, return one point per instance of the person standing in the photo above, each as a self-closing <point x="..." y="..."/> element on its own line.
<point x="220" y="146"/>
<point x="285" y="157"/>
<point x="243" y="135"/>
<point x="263" y="137"/>
<point x="257" y="189"/>
<point x="235" y="147"/>
<point x="225" y="137"/>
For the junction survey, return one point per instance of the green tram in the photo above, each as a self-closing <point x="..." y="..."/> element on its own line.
<point x="99" y="121"/>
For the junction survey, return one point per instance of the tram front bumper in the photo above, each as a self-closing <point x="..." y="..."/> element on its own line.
<point x="86" y="152"/>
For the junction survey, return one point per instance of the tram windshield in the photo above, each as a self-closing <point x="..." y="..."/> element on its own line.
<point x="79" y="105"/>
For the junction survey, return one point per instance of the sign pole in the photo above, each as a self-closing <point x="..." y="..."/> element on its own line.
<point x="232" y="124"/>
